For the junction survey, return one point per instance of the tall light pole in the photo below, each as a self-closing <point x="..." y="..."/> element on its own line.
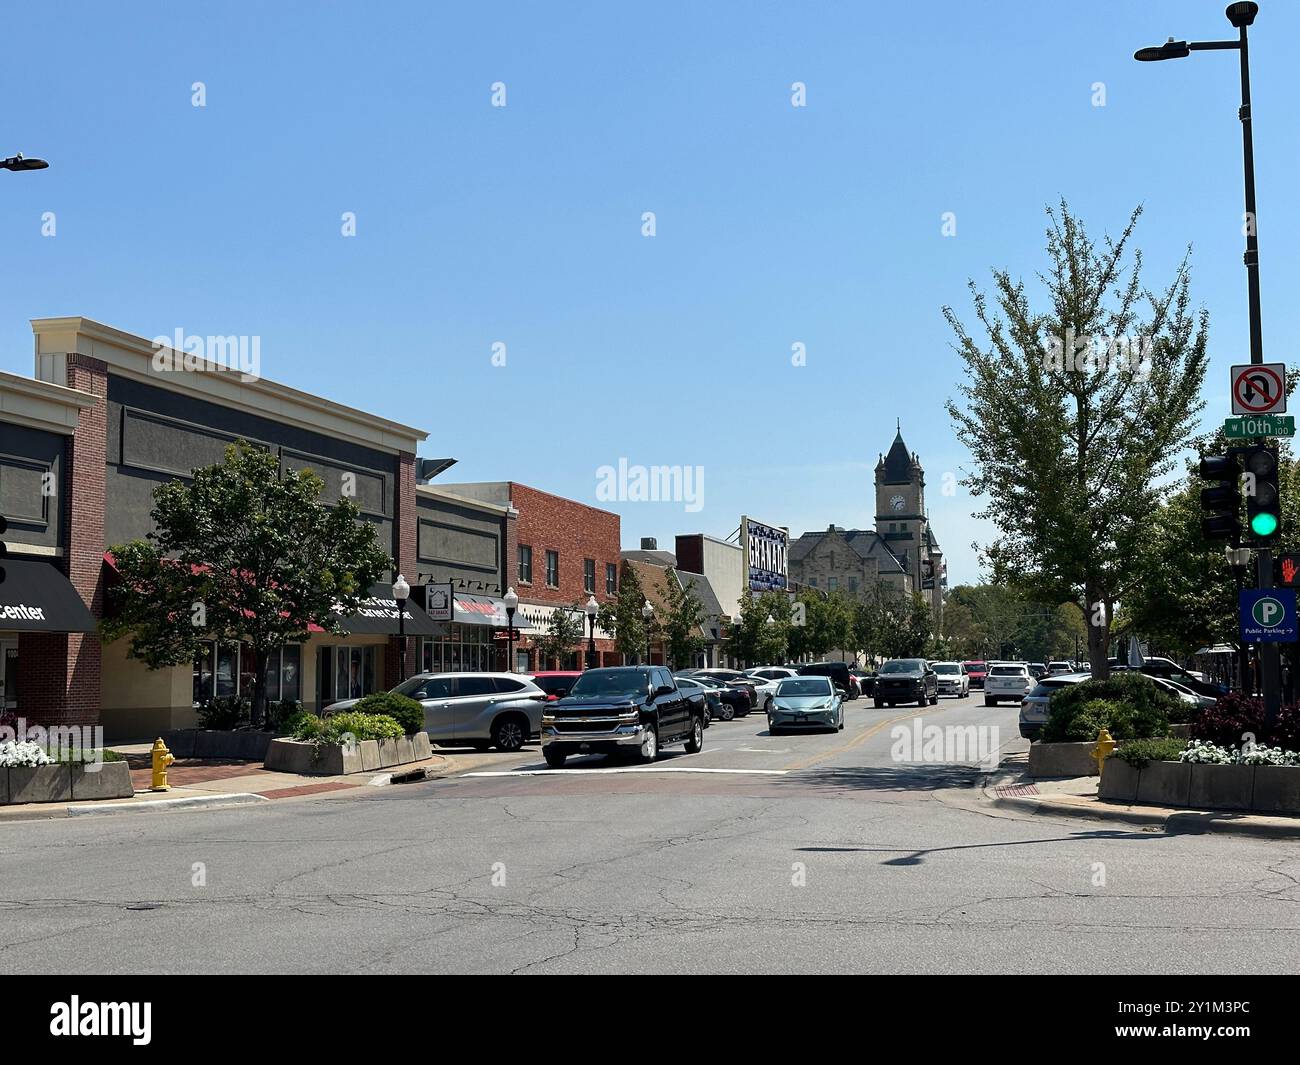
<point x="511" y="601"/>
<point x="1242" y="15"/>
<point x="18" y="162"/>
<point x="647" y="614"/>
<point x="592" y="608"/>
<point x="401" y="591"/>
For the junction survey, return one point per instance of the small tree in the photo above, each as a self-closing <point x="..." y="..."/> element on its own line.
<point x="680" y="624"/>
<point x="756" y="641"/>
<point x="563" y="633"/>
<point x="621" y="616"/>
<point x="241" y="552"/>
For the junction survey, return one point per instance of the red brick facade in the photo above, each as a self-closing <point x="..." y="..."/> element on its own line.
<point x="61" y="674"/>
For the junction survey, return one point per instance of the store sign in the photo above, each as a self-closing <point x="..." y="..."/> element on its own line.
<point x="438" y="603"/>
<point x="766" y="550"/>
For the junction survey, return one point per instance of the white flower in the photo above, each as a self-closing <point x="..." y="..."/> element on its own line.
<point x="14" y="755"/>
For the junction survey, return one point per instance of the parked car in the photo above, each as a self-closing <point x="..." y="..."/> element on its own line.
<point x="772" y="672"/>
<point x="502" y="710"/>
<point x="837" y="671"/>
<point x="976" y="671"/>
<point x="806" y="702"/>
<point x="952" y="678"/>
<point x="1034" y="706"/>
<point x="712" y="704"/>
<point x="866" y="681"/>
<point x="1059" y="667"/>
<point x="555" y="683"/>
<point x="1167" y="670"/>
<point x="1037" y="669"/>
<point x="906" y="680"/>
<point x="636" y="709"/>
<point x="742" y="688"/>
<point x="1006" y="680"/>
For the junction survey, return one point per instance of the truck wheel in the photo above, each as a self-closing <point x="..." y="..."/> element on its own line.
<point x="934" y="699"/>
<point x="554" y="756"/>
<point x="649" y="750"/>
<point x="508" y="733"/>
<point x="696" y="743"/>
<point x="879" y="704"/>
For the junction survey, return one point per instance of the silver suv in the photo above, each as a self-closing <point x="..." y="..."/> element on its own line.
<point x="502" y="710"/>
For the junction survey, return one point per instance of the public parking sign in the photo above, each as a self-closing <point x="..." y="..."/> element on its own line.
<point x="1268" y="615"/>
<point x="1259" y="388"/>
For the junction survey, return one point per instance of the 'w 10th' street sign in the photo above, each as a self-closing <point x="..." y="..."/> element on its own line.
<point x="1257" y="425"/>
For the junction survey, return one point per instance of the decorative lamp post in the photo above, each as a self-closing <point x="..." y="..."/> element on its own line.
<point x="592" y="608"/>
<point x="647" y="613"/>
<point x="401" y="591"/>
<point x="512" y="604"/>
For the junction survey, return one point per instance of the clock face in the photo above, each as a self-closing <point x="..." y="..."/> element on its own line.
<point x="897" y="502"/>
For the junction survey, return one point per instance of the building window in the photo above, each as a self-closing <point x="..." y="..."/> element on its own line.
<point x="525" y="564"/>
<point x="227" y="670"/>
<point x="812" y="581"/>
<point x="466" y="648"/>
<point x="611" y="578"/>
<point x="552" y="569"/>
<point x="589" y="575"/>
<point x="853" y="584"/>
<point x="832" y="583"/>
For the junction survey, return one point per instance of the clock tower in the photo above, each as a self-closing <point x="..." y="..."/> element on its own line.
<point x="901" y="521"/>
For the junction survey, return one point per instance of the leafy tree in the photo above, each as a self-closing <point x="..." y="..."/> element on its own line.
<point x="1074" y="413"/>
<point x="621" y="616"/>
<point x="906" y="626"/>
<point x="682" y="616"/>
<point x="828" y="624"/>
<point x="995" y="621"/>
<point x="563" y="633"/>
<point x="241" y="552"/>
<point x="753" y="639"/>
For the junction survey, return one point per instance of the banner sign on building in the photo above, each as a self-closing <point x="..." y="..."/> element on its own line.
<point x="766" y="550"/>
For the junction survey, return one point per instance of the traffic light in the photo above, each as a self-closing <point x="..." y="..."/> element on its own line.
<point x="1222" y="502"/>
<point x="1263" y="499"/>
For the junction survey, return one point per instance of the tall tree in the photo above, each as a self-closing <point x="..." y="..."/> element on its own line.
<point x="681" y="619"/>
<point x="621" y="616"/>
<point x="241" y="552"/>
<point x="563" y="632"/>
<point x="1073" y="414"/>
<point x="753" y="639"/>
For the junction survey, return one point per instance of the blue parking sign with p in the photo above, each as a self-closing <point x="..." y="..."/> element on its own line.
<point x="1268" y="615"/>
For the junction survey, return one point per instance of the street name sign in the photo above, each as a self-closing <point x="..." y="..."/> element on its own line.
<point x="1256" y="425"/>
<point x="1268" y="615"/>
<point x="1259" y="388"/>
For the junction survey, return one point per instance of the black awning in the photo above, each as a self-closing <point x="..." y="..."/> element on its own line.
<point x="377" y="616"/>
<point x="36" y="597"/>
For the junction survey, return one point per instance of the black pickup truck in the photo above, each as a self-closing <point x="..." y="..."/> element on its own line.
<point x="633" y="709"/>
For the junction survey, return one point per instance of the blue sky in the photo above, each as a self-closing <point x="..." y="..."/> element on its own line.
<point x="522" y="225"/>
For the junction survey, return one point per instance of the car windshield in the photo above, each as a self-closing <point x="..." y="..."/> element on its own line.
<point x="1008" y="671"/>
<point x="599" y="683"/>
<point x="947" y="667"/>
<point x="408" y="686"/>
<point x="977" y="667"/>
<point x="804" y="686"/>
<point x="903" y="665"/>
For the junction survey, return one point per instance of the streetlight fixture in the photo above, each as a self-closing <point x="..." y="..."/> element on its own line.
<point x="647" y="613"/>
<point x="592" y="608"/>
<point x="401" y="590"/>
<point x="19" y="162"/>
<point x="1241" y="15"/>
<point x="1239" y="559"/>
<point x="512" y="604"/>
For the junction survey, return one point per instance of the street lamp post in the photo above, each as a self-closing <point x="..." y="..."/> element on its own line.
<point x="401" y="590"/>
<point x="18" y="162"/>
<point x="1239" y="559"/>
<point x="592" y="608"/>
<point x="647" y="613"/>
<point x="1242" y="15"/>
<point x="512" y="604"/>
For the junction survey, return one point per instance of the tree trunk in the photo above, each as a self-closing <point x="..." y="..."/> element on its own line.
<point x="1097" y="617"/>
<point x="257" y="715"/>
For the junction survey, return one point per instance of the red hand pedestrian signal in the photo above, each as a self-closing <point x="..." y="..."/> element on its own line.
<point x="1288" y="570"/>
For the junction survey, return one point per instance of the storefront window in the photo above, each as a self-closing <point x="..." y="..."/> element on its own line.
<point x="467" y="648"/>
<point x="227" y="672"/>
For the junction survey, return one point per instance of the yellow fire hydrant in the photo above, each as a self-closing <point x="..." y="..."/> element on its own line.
<point x="1105" y="747"/>
<point x="162" y="758"/>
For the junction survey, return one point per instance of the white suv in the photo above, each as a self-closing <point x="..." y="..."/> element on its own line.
<point x="1006" y="680"/>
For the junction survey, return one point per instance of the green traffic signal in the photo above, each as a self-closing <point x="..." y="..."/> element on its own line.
<point x="1263" y="524"/>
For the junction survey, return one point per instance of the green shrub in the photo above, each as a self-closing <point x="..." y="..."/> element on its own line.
<point x="406" y="711"/>
<point x="1141" y="753"/>
<point x="225" y="712"/>
<point x="360" y="726"/>
<point x="304" y="726"/>
<point x="281" y="712"/>
<point x="1128" y="704"/>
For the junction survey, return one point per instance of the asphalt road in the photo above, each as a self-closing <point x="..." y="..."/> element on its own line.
<point x="794" y="853"/>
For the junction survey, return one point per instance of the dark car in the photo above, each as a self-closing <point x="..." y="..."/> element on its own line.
<point x="837" y="671"/>
<point x="906" y="680"/>
<point x="555" y="683"/>
<point x="635" y="709"/>
<point x="737" y="689"/>
<point x="708" y="697"/>
<point x="866" y="681"/>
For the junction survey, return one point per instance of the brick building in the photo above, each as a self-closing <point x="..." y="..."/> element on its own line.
<point x="564" y="553"/>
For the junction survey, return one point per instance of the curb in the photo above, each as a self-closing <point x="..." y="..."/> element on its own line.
<point x="1176" y="822"/>
<point x="238" y="798"/>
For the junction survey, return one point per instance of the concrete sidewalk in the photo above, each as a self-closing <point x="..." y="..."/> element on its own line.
<point x="197" y="783"/>
<point x="1077" y="797"/>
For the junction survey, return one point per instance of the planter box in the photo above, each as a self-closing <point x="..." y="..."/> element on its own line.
<point x="1119" y="782"/>
<point x="180" y="741"/>
<point x="1165" y="784"/>
<point x="1222" y="787"/>
<point x="369" y="755"/>
<point x="405" y="752"/>
<point x="423" y="749"/>
<point x="1062" y="760"/>
<point x="387" y="754"/>
<point x="1277" y="789"/>
<point x="40" y="783"/>
<point x="112" y="780"/>
<point x="243" y="745"/>
<point x="330" y="760"/>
